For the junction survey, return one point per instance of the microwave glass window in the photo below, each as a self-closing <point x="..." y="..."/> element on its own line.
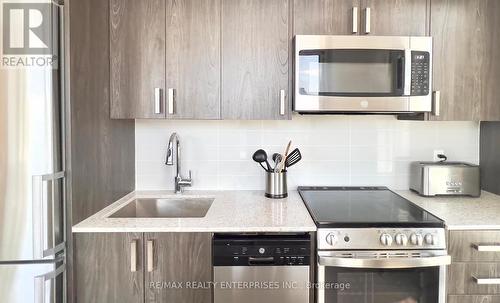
<point x="349" y="72"/>
<point x="418" y="285"/>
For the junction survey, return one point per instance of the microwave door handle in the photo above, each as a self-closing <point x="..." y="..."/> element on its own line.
<point x="400" y="74"/>
<point x="389" y="263"/>
<point x="407" y="77"/>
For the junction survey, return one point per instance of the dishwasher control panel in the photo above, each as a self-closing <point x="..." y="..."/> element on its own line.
<point x="261" y="250"/>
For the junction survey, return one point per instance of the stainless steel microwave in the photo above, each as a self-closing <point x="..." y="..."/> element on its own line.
<point x="362" y="74"/>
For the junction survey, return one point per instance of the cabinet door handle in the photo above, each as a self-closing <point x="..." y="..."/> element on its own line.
<point x="368" y="20"/>
<point x="282" y="102"/>
<point x="354" y="20"/>
<point x="150" y="256"/>
<point x="486" y="281"/>
<point x="437" y="103"/>
<point x="157" y="100"/>
<point x="133" y="256"/>
<point x="171" y="101"/>
<point x="487" y="247"/>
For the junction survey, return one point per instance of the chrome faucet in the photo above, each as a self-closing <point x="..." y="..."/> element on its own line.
<point x="180" y="183"/>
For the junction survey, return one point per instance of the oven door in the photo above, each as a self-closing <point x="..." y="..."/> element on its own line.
<point x="382" y="277"/>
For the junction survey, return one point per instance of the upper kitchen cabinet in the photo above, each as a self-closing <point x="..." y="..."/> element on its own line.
<point x="165" y="59"/>
<point x="256" y="44"/>
<point x="193" y="59"/>
<point x="325" y="17"/>
<point x="466" y="48"/>
<point x="394" y="17"/>
<point x="137" y="58"/>
<point x="377" y="17"/>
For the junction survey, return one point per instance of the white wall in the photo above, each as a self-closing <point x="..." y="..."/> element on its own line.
<point x="337" y="150"/>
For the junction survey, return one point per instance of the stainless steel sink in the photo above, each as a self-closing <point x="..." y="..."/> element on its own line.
<point x="165" y="208"/>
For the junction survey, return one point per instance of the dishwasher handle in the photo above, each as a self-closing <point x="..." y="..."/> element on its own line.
<point x="260" y="260"/>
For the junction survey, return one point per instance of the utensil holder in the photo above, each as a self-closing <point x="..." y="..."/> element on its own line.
<point x="276" y="186"/>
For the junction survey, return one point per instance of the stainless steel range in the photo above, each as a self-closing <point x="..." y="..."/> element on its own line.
<point x="375" y="246"/>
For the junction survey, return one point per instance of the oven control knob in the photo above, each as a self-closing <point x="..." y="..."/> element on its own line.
<point x="417" y="239"/>
<point x="331" y="239"/>
<point x="401" y="239"/>
<point x="431" y="239"/>
<point x="386" y="239"/>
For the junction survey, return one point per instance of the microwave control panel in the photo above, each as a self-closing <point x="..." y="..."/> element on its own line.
<point x="420" y="71"/>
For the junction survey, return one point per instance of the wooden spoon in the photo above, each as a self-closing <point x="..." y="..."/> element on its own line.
<point x="281" y="165"/>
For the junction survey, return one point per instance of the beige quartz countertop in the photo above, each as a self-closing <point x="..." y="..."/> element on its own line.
<point x="461" y="213"/>
<point x="250" y="211"/>
<point x="231" y="211"/>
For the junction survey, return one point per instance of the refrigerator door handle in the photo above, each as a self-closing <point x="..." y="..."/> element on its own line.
<point x="40" y="294"/>
<point x="43" y="215"/>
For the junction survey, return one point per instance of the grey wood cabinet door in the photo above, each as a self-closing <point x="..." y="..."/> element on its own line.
<point x="395" y="17"/>
<point x="466" y="41"/>
<point x="256" y="43"/>
<point x="469" y="245"/>
<point x="104" y="264"/>
<point x="178" y="257"/>
<point x="193" y="59"/>
<point x="461" y="278"/>
<point x="137" y="58"/>
<point x="473" y="299"/>
<point x="325" y="17"/>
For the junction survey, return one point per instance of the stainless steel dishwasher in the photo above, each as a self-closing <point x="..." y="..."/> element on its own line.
<point x="261" y="268"/>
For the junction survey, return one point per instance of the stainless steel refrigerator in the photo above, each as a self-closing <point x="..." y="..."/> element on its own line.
<point x="32" y="178"/>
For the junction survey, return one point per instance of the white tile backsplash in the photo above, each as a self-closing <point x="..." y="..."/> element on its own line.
<point x="336" y="150"/>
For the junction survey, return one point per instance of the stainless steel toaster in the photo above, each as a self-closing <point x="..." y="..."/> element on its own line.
<point x="445" y="178"/>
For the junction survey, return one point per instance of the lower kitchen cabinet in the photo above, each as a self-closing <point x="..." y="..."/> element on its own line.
<point x="104" y="268"/>
<point x="138" y="267"/>
<point x="464" y="278"/>
<point x="181" y="258"/>
<point x="474" y="275"/>
<point x="463" y="246"/>
<point x="473" y="299"/>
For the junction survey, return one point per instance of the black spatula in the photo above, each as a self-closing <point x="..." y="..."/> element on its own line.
<point x="294" y="157"/>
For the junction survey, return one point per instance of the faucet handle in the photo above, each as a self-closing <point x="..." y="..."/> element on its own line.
<point x="180" y="182"/>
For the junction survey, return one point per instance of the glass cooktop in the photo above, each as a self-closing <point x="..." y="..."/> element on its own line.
<point x="364" y="207"/>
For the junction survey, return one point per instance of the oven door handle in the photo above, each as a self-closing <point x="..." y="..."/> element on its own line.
<point x="384" y="262"/>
